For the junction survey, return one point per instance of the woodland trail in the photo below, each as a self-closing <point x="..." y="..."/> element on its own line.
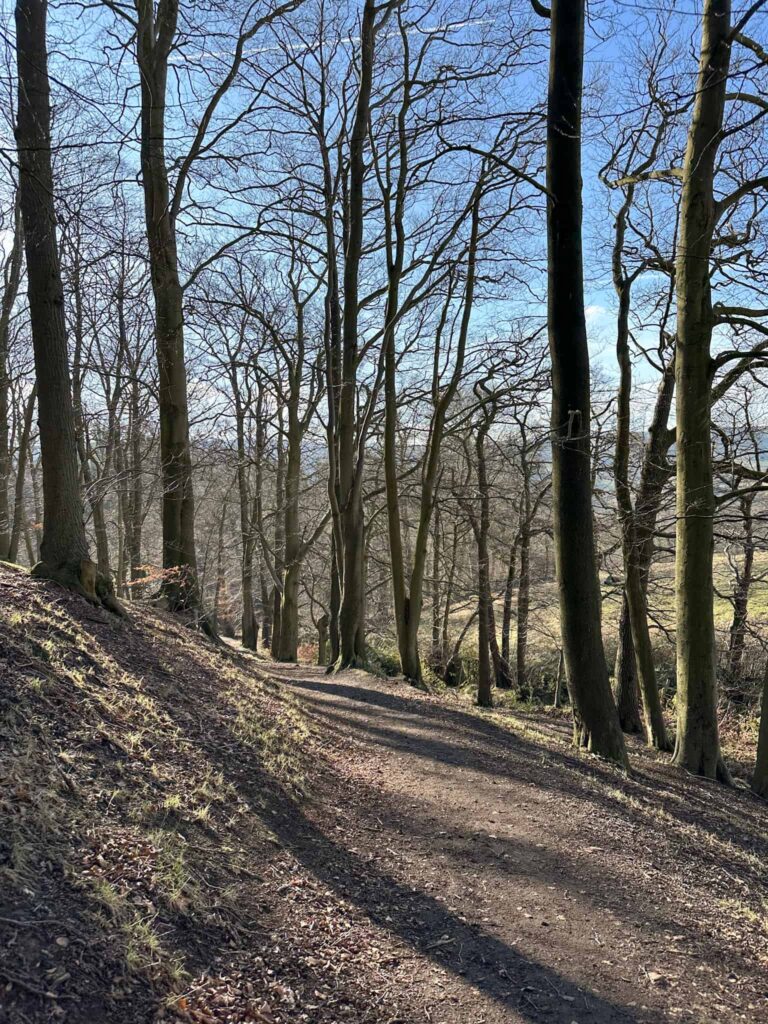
<point x="521" y="882"/>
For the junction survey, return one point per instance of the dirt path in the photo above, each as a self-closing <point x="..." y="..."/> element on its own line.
<point x="190" y="834"/>
<point x="519" y="882"/>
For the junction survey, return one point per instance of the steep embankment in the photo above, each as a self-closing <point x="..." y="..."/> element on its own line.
<point x="143" y="774"/>
<point x="188" y="833"/>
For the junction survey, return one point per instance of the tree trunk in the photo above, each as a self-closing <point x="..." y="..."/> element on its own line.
<point x="12" y="277"/>
<point x="322" y="640"/>
<point x="509" y="592"/>
<point x="437" y="654"/>
<point x="350" y="451"/>
<point x="485" y="606"/>
<point x="279" y="541"/>
<point x="559" y="680"/>
<point x="64" y="548"/>
<point x="449" y="592"/>
<point x="655" y="473"/>
<point x="634" y="589"/>
<point x="19" y="515"/>
<point x="626" y="692"/>
<point x="579" y="587"/>
<point x="741" y="590"/>
<point x="153" y="42"/>
<point x="289" y="613"/>
<point x="760" y="776"/>
<point x="524" y="602"/>
<point x="335" y="604"/>
<point x="698" y="747"/>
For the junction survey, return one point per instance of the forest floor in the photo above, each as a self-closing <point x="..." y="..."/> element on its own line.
<point x="191" y="833"/>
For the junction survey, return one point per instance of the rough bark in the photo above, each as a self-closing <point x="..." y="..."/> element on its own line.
<point x="697" y="747"/>
<point x="597" y="726"/>
<point x="64" y="547"/>
<point x="154" y="39"/>
<point x="350" y="452"/>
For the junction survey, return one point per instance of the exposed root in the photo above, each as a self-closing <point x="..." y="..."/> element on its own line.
<point x="84" y="578"/>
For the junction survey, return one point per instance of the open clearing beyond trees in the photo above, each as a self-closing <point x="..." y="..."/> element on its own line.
<point x="190" y="833"/>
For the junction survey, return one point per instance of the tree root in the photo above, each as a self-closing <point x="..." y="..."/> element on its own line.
<point x="83" y="578"/>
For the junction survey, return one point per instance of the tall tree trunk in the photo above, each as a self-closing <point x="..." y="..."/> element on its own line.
<point x="154" y="40"/>
<point x="698" y="746"/>
<point x="524" y="601"/>
<point x="436" y="653"/>
<point x="350" y="451"/>
<point x="279" y="541"/>
<point x="485" y="604"/>
<point x="64" y="548"/>
<point x="634" y="590"/>
<point x="655" y="473"/>
<point x="289" y="613"/>
<point x="596" y="720"/>
<point x="12" y="277"/>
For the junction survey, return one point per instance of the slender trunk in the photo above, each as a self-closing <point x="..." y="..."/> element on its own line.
<point x="524" y="603"/>
<point x="760" y="775"/>
<point x="134" y="487"/>
<point x="626" y="691"/>
<point x="698" y="746"/>
<point x="509" y="592"/>
<point x="437" y="656"/>
<point x="91" y="485"/>
<point x="449" y="592"/>
<point x="335" y="603"/>
<point x="279" y="541"/>
<point x="596" y="721"/>
<point x="741" y="590"/>
<point x="322" y="640"/>
<point x="180" y="585"/>
<point x="559" y="680"/>
<point x="655" y="473"/>
<point x="289" y="612"/>
<point x="248" y="619"/>
<point x="12" y="277"/>
<point x="634" y="590"/>
<point x="19" y="514"/>
<point x="485" y="605"/>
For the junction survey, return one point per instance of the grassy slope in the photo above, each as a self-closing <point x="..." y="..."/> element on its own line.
<point x="140" y="769"/>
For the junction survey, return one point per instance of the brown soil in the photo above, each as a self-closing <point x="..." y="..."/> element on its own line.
<point x="190" y="833"/>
